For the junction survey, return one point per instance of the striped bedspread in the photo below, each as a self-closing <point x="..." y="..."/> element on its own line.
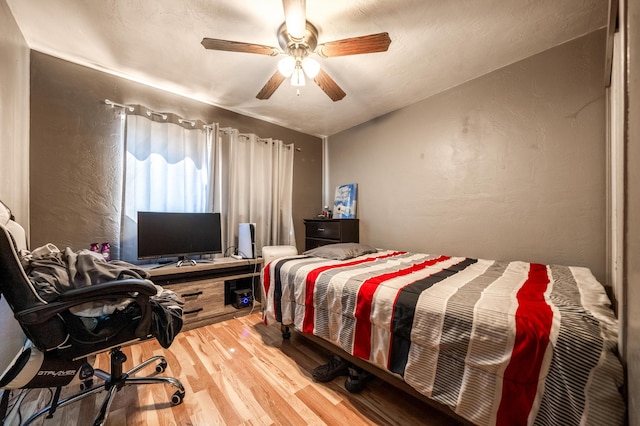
<point x="500" y="343"/>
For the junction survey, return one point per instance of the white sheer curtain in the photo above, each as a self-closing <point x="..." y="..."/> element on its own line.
<point x="256" y="187"/>
<point x="167" y="168"/>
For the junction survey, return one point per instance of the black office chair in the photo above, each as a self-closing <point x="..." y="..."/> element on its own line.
<point x="44" y="345"/>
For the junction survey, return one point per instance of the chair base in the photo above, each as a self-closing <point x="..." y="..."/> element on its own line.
<point x="113" y="382"/>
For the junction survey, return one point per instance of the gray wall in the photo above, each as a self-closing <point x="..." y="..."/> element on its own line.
<point x="632" y="213"/>
<point x="14" y="116"/>
<point x="76" y="161"/>
<point x="510" y="165"/>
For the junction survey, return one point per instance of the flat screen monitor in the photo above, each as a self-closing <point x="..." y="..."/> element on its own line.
<point x="164" y="235"/>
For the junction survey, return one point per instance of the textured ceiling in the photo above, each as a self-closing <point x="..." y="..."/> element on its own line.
<point x="435" y="45"/>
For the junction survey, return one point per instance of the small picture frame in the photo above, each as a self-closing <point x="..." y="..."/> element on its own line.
<point x="344" y="205"/>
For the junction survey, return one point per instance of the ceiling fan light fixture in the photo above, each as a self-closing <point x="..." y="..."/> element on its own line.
<point x="297" y="78"/>
<point x="286" y="66"/>
<point x="295" y="18"/>
<point x="311" y="67"/>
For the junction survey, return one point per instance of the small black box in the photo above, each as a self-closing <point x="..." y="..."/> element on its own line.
<point x="243" y="298"/>
<point x="230" y="287"/>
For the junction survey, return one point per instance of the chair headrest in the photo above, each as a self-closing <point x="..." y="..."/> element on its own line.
<point x="8" y="221"/>
<point x="5" y="213"/>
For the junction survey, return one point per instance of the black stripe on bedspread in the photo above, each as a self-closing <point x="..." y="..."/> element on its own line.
<point x="277" y="290"/>
<point x="278" y="299"/>
<point x="404" y="312"/>
<point x="349" y="297"/>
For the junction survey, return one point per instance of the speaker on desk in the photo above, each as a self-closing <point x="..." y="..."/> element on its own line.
<point x="247" y="240"/>
<point x="243" y="298"/>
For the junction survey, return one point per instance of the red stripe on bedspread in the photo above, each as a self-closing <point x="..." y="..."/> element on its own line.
<point x="362" y="339"/>
<point x="266" y="283"/>
<point x="533" y="326"/>
<point x="309" y="312"/>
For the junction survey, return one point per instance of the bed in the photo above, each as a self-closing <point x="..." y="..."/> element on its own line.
<point x="497" y="342"/>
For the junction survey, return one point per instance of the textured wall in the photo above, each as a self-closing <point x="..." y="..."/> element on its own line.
<point x="507" y="166"/>
<point x="76" y="161"/>
<point x="14" y="116"/>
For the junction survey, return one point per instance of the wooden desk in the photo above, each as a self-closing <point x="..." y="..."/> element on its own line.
<point x="206" y="288"/>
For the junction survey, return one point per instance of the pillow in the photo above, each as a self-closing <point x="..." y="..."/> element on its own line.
<point x="340" y="251"/>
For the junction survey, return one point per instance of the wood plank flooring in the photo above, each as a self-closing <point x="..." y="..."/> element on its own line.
<point x="240" y="372"/>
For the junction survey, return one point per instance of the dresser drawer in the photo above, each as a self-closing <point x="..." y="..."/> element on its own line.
<point x="319" y="232"/>
<point x="202" y="299"/>
<point x="328" y="230"/>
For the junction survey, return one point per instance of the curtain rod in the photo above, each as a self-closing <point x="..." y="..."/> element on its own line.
<point x="149" y="112"/>
<point x="160" y="114"/>
<point x="115" y="104"/>
<point x="227" y="130"/>
<point x="192" y="122"/>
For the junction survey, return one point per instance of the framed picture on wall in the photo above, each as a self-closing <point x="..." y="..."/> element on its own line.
<point x="344" y="205"/>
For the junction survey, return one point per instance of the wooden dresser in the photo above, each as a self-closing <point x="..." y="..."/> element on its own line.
<point x="319" y="232"/>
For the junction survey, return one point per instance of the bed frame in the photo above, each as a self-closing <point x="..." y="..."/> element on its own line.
<point x="379" y="373"/>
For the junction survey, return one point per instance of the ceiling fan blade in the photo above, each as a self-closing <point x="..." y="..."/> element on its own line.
<point x="371" y="43"/>
<point x="329" y="86"/>
<point x="295" y="17"/>
<point x="270" y="86"/>
<point x="238" y="46"/>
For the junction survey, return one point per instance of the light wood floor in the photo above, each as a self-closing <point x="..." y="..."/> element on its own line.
<point x="241" y="372"/>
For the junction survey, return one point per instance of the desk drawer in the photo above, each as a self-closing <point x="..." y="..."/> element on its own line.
<point x="328" y="230"/>
<point x="203" y="298"/>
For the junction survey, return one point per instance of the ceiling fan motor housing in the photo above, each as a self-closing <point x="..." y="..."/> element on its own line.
<point x="298" y="48"/>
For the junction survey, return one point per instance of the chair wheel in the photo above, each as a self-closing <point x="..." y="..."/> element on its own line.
<point x="86" y="384"/>
<point x="177" y="398"/>
<point x="161" y="367"/>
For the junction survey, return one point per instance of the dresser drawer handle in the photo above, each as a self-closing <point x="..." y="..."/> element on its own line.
<point x="197" y="293"/>
<point x="321" y="229"/>
<point x="192" y="312"/>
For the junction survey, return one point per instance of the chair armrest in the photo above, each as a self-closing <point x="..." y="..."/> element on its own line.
<point x="113" y="291"/>
<point x="111" y="288"/>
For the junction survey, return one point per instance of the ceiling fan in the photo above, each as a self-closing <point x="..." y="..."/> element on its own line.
<point x="298" y="39"/>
